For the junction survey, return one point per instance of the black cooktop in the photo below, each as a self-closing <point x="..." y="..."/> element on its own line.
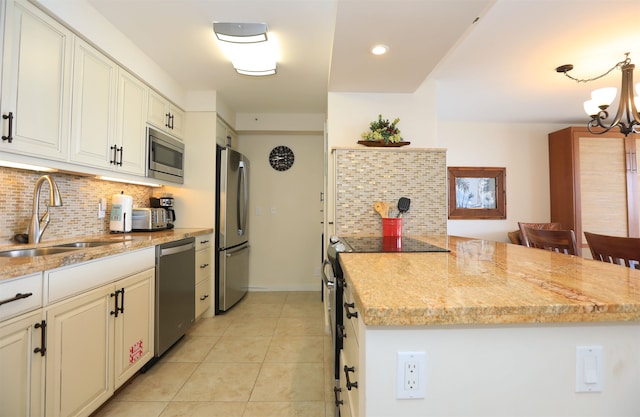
<point x="388" y="244"/>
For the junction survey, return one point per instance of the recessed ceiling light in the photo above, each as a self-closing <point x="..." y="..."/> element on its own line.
<point x="379" y="49"/>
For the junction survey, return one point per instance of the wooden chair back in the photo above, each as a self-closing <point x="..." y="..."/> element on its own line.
<point x="514" y="237"/>
<point x="544" y="226"/>
<point x="613" y="249"/>
<point x="563" y="241"/>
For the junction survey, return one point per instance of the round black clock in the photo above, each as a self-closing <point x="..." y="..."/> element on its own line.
<point x="281" y="158"/>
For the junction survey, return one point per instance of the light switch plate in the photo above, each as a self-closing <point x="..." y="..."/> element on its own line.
<point x="588" y="368"/>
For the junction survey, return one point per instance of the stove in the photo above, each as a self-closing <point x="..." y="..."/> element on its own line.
<point x="384" y="244"/>
<point x="334" y="283"/>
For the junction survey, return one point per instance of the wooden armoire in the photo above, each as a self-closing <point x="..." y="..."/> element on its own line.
<point x="594" y="182"/>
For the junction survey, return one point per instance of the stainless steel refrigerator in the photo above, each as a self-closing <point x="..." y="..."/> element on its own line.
<point x="232" y="237"/>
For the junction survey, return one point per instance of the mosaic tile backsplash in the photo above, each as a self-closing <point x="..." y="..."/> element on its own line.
<point x="364" y="176"/>
<point x="78" y="215"/>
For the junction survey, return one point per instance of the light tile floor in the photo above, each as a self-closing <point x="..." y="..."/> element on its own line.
<point x="268" y="356"/>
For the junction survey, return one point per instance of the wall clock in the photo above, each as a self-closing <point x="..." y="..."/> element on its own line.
<point x="281" y="158"/>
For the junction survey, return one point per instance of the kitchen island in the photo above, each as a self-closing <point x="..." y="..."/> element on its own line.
<point x="500" y="325"/>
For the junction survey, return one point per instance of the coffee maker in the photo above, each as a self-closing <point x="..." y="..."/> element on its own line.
<point x="167" y="204"/>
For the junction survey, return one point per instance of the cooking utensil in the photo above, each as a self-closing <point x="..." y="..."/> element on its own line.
<point x="403" y="205"/>
<point x="385" y="209"/>
<point x="378" y="206"/>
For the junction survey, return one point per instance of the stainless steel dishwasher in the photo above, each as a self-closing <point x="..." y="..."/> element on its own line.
<point x="175" y="292"/>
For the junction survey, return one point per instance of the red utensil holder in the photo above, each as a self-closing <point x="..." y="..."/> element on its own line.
<point x="392" y="226"/>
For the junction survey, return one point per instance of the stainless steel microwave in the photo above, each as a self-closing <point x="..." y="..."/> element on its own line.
<point x="165" y="160"/>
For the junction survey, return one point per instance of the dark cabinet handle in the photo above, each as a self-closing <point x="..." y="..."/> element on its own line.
<point x="350" y="384"/>
<point x="9" y="116"/>
<point x="17" y="297"/>
<point x="122" y="300"/>
<point x="121" y="151"/>
<point x="204" y="297"/>
<point x="115" y="294"/>
<point x="340" y="331"/>
<point x="43" y="335"/>
<point x="171" y="121"/>
<point x="202" y="242"/>
<point x="203" y="266"/>
<point x="114" y="160"/>
<point x="168" y="116"/>
<point x="336" y="391"/>
<point x="348" y="312"/>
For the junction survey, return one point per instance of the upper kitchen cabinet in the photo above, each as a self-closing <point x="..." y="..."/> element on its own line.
<point x="108" y="114"/>
<point x="225" y="136"/>
<point x="165" y="116"/>
<point x="36" y="83"/>
<point x="593" y="182"/>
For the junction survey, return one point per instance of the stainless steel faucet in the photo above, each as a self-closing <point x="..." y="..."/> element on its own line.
<point x="37" y="226"/>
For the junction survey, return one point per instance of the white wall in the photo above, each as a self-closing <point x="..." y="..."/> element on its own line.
<point x="285" y="213"/>
<point x="523" y="150"/>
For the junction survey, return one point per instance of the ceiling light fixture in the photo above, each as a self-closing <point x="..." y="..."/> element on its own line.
<point x="379" y="49"/>
<point x="247" y="47"/>
<point x="627" y="118"/>
<point x="240" y="32"/>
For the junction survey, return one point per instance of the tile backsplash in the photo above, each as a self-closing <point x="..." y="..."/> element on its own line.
<point x="78" y="215"/>
<point x="364" y="176"/>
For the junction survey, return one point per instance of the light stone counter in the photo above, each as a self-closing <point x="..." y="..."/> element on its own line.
<point x="14" y="267"/>
<point x="486" y="282"/>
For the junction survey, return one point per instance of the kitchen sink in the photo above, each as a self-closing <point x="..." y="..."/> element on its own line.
<point x="17" y="253"/>
<point x="85" y="244"/>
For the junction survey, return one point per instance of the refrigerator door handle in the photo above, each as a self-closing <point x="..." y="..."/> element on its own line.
<point x="243" y="193"/>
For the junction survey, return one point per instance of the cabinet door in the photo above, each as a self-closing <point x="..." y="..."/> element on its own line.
<point x="603" y="186"/>
<point x="134" y="325"/>
<point x="79" y="376"/>
<point x="176" y="125"/>
<point x="21" y="379"/>
<point x="36" y="82"/>
<point x="94" y="98"/>
<point x="131" y="123"/>
<point x="158" y="111"/>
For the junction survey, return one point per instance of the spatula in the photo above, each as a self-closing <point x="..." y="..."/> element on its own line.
<point x="378" y="206"/>
<point x="403" y="205"/>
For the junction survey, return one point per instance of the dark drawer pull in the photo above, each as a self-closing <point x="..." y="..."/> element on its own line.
<point x="9" y="138"/>
<point x="43" y="334"/>
<point x="340" y="331"/>
<point x="337" y="390"/>
<point x="204" y="297"/>
<point x="19" y="296"/>
<point x="203" y="266"/>
<point x="350" y="384"/>
<point x="349" y="314"/>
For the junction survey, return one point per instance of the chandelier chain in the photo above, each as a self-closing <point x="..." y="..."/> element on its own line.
<point x="586" y="80"/>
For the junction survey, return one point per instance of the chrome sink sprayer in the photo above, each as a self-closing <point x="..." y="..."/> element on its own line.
<point x="36" y="225"/>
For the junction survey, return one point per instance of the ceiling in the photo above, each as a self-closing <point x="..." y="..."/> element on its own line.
<point x="500" y="67"/>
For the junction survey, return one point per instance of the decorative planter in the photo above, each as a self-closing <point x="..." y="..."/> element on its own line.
<point x="381" y="144"/>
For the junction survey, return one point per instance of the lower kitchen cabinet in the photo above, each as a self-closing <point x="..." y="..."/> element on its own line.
<point x="22" y="365"/>
<point x="96" y="341"/>
<point x="351" y="385"/>
<point x="204" y="266"/>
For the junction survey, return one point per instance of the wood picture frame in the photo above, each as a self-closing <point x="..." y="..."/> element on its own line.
<point x="477" y="193"/>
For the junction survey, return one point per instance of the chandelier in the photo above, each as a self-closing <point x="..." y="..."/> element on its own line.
<point x="627" y="118"/>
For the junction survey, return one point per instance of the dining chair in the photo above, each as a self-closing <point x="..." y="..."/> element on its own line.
<point x="544" y="226"/>
<point x="514" y="237"/>
<point x="614" y="249"/>
<point x="562" y="241"/>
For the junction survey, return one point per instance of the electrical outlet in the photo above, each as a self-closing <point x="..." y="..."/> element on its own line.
<point x="411" y="375"/>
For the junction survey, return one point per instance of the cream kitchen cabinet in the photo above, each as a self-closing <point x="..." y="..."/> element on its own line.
<point x="225" y="136"/>
<point x="36" y="83"/>
<point x="351" y="384"/>
<point x="204" y="266"/>
<point x="21" y="347"/>
<point x="100" y="317"/>
<point x="165" y="116"/>
<point x="96" y="341"/>
<point x="108" y="114"/>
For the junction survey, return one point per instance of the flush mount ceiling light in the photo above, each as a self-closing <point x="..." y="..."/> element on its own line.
<point x="627" y="118"/>
<point x="240" y="32"/>
<point x="247" y="47"/>
<point x="379" y="49"/>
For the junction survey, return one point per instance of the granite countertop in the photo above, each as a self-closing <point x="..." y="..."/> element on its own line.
<point x="15" y="267"/>
<point x="486" y="282"/>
